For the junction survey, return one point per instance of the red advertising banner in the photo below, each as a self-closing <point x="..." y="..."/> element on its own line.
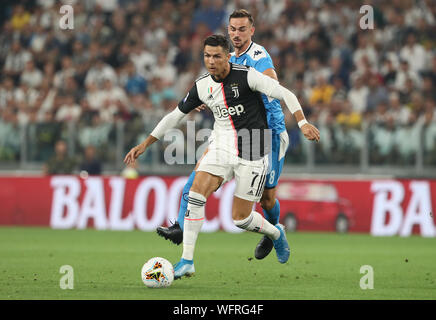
<point x="379" y="207"/>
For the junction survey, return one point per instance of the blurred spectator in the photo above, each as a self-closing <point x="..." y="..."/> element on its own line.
<point x="6" y="93"/>
<point x="383" y="150"/>
<point x="428" y="91"/>
<point x="67" y="70"/>
<point x="90" y="164"/>
<point x="135" y="83"/>
<point x="16" y="61"/>
<point x="9" y="131"/>
<point x="60" y="163"/>
<point x="358" y="95"/>
<point x="400" y="113"/>
<point x="143" y="60"/>
<point x="68" y="112"/>
<point x="348" y="117"/>
<point x="210" y="13"/>
<point x="20" y="17"/>
<point x="114" y="100"/>
<point x="376" y="93"/>
<point x="322" y="92"/>
<point x="96" y="133"/>
<point x="160" y="92"/>
<point x="405" y="73"/>
<point x="184" y="55"/>
<point x="414" y="53"/>
<point x="99" y="72"/>
<point x="429" y="135"/>
<point x="43" y="136"/>
<point x="31" y="76"/>
<point x="407" y="140"/>
<point x="365" y="56"/>
<point x="164" y="70"/>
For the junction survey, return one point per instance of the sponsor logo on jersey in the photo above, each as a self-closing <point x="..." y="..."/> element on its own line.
<point x="222" y="112"/>
<point x="256" y="53"/>
<point x="235" y="90"/>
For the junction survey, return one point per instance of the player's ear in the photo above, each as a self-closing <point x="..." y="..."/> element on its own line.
<point x="228" y="56"/>
<point x="252" y="30"/>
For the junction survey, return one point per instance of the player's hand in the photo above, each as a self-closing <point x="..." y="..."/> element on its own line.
<point x="134" y="153"/>
<point x="310" y="132"/>
<point x="201" y="107"/>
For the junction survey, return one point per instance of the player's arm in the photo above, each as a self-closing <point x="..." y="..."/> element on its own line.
<point x="259" y="82"/>
<point x="170" y="121"/>
<point x="270" y="72"/>
<point x="299" y="115"/>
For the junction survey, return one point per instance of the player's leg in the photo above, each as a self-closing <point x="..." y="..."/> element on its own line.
<point x="175" y="232"/>
<point x="211" y="173"/>
<point x="204" y="184"/>
<point x="250" y="181"/>
<point x="185" y="193"/>
<point x="245" y="218"/>
<point x="270" y="205"/>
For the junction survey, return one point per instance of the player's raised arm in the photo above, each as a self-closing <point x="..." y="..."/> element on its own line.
<point x="272" y="88"/>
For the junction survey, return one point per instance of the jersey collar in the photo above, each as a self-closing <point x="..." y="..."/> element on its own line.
<point x="219" y="81"/>
<point x="246" y="50"/>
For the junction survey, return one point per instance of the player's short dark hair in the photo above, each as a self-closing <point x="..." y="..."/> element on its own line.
<point x="242" y="13"/>
<point x="217" y="40"/>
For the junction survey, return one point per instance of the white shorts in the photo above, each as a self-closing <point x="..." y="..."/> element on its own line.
<point x="249" y="175"/>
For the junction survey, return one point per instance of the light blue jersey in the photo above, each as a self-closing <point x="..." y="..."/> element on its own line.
<point x="257" y="57"/>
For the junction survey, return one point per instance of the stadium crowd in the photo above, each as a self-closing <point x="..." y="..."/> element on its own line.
<point x="131" y="61"/>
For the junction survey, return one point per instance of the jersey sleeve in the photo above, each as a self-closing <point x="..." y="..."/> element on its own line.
<point x="257" y="81"/>
<point x="263" y="64"/>
<point x="191" y="101"/>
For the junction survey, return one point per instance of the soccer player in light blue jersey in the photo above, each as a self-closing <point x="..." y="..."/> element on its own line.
<point x="241" y="29"/>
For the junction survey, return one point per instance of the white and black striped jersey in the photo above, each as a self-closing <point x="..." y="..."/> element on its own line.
<point x="240" y="118"/>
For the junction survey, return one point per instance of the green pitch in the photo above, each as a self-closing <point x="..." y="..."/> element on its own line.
<point x="107" y="265"/>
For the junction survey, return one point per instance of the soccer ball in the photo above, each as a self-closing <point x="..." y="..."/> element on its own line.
<point x="157" y="273"/>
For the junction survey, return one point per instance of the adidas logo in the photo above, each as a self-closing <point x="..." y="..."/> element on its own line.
<point x="210" y="97"/>
<point x="250" y="193"/>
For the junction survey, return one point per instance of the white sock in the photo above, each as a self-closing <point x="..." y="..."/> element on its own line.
<point x="256" y="223"/>
<point x="194" y="218"/>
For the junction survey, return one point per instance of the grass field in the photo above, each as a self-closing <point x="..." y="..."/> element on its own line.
<point x="107" y="265"/>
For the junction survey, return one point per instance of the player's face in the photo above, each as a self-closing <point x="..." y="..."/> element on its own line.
<point x="216" y="60"/>
<point x="240" y="32"/>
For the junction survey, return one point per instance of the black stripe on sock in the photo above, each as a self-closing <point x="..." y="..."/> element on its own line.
<point x="246" y="224"/>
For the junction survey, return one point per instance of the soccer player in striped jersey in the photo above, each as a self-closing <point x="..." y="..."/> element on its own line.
<point x="233" y="93"/>
<point x="241" y="29"/>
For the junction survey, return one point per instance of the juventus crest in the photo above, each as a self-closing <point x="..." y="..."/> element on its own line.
<point x="235" y="90"/>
